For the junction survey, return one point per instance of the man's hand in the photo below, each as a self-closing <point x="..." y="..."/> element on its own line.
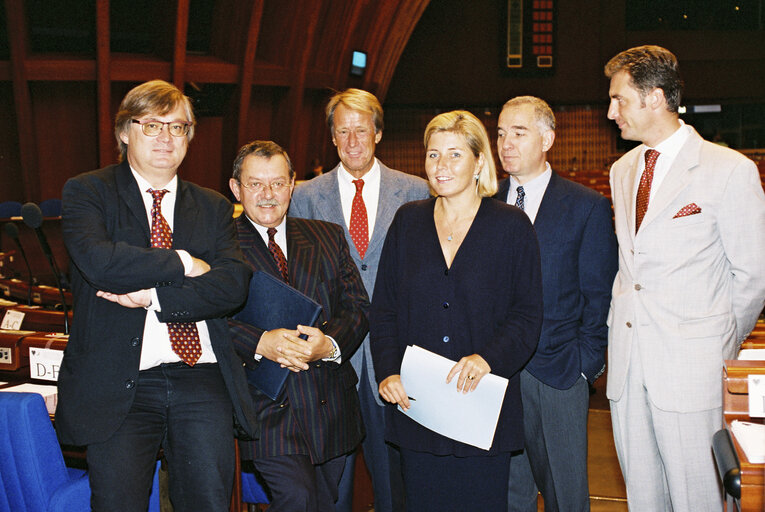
<point x="279" y="346"/>
<point x="318" y="343"/>
<point x="288" y="349"/>
<point x="137" y="299"/>
<point x="198" y="267"/>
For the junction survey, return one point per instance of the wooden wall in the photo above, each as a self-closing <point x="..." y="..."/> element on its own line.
<point x="257" y="69"/>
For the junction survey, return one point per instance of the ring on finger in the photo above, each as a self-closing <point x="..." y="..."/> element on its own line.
<point x="471" y="377"/>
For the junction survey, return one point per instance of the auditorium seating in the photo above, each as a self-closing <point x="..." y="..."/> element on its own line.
<point x="33" y="475"/>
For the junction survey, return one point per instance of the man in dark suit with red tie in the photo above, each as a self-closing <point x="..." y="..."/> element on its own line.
<point x="156" y="268"/>
<point x="315" y="422"/>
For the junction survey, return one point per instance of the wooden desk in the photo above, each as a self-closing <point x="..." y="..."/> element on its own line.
<point x="39" y="319"/>
<point x="736" y="407"/>
<point x="18" y="290"/>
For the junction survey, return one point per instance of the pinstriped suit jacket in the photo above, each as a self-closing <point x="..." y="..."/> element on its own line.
<point x="318" y="413"/>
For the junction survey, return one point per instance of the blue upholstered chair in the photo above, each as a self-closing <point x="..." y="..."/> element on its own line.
<point x="33" y="477"/>
<point x="252" y="491"/>
<point x="51" y="208"/>
<point x="10" y="209"/>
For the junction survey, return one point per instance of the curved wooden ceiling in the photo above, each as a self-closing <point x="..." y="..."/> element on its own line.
<point x="268" y="66"/>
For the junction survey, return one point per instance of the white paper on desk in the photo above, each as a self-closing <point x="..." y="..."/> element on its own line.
<point x="752" y="354"/>
<point x="751" y="437"/>
<point x="48" y="392"/>
<point x="468" y="418"/>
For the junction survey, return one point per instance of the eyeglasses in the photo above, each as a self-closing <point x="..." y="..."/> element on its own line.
<point x="152" y="128"/>
<point x="258" y="187"/>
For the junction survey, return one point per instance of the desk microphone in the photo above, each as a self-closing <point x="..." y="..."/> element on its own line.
<point x="13" y="231"/>
<point x="33" y="218"/>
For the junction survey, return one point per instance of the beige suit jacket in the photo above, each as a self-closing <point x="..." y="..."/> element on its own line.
<point x="689" y="289"/>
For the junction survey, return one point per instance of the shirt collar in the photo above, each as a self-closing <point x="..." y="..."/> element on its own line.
<point x="537" y="185"/>
<point x="372" y="177"/>
<point x="144" y="185"/>
<point x="670" y="147"/>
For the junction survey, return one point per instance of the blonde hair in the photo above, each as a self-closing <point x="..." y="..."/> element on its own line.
<point x="154" y="97"/>
<point x="358" y="100"/>
<point x="466" y="124"/>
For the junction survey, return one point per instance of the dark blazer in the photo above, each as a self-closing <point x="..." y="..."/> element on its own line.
<point x="318" y="413"/>
<point x="107" y="233"/>
<point x="579" y="261"/>
<point x="488" y="302"/>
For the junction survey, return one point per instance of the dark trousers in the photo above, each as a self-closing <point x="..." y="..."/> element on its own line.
<point x="382" y="459"/>
<point x="555" y="458"/>
<point x="296" y="485"/>
<point x="445" y="483"/>
<point x="187" y="412"/>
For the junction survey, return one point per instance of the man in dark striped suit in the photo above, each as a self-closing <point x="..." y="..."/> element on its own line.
<point x="307" y="431"/>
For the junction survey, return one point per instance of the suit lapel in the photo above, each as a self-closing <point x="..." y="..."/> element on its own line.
<point x="185" y="215"/>
<point x="552" y="208"/>
<point x="129" y="193"/>
<point x="387" y="205"/>
<point x="329" y="204"/>
<point x="629" y="192"/>
<point x="300" y="259"/>
<point x="254" y="248"/>
<point x="676" y="178"/>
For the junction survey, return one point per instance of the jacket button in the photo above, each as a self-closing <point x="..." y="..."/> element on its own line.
<point x="282" y="406"/>
<point x="129" y="384"/>
<point x="629" y="324"/>
<point x="317" y="365"/>
<point x="446" y="272"/>
<point x="445" y="305"/>
<point x="135" y="341"/>
<point x="446" y="339"/>
<point x="638" y="287"/>
<point x="323" y="402"/>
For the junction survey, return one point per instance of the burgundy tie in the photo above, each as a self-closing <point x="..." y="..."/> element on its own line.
<point x="644" y="189"/>
<point x="184" y="336"/>
<point x="359" y="227"/>
<point x="278" y="255"/>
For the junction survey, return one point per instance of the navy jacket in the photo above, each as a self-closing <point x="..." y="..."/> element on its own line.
<point x="488" y="302"/>
<point x="579" y="260"/>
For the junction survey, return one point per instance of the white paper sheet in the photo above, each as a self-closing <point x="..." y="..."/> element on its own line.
<point x="752" y="354"/>
<point x="469" y="418"/>
<point x="751" y="437"/>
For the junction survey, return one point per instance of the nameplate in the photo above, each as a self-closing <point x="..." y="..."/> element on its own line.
<point x="45" y="363"/>
<point x="756" y="396"/>
<point x="12" y="320"/>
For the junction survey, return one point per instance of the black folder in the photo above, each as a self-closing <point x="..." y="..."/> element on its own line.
<point x="273" y="304"/>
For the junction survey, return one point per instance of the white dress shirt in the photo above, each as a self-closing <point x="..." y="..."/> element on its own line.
<point x="668" y="150"/>
<point x="534" y="192"/>
<point x="156" y="348"/>
<point x="370" y="193"/>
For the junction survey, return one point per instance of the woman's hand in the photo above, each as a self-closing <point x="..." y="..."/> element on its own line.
<point x="392" y="390"/>
<point x="471" y="370"/>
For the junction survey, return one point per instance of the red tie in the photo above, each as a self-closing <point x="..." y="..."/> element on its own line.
<point x="278" y="255"/>
<point x="644" y="189"/>
<point x="359" y="227"/>
<point x="184" y="336"/>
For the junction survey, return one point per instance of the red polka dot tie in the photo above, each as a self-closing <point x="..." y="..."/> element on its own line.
<point x="184" y="336"/>
<point x="278" y="255"/>
<point x="644" y="189"/>
<point x="359" y="227"/>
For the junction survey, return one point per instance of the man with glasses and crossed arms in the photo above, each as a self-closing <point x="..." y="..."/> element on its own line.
<point x="156" y="267"/>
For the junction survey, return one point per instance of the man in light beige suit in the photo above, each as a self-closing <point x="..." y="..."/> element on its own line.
<point x="690" y="221"/>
